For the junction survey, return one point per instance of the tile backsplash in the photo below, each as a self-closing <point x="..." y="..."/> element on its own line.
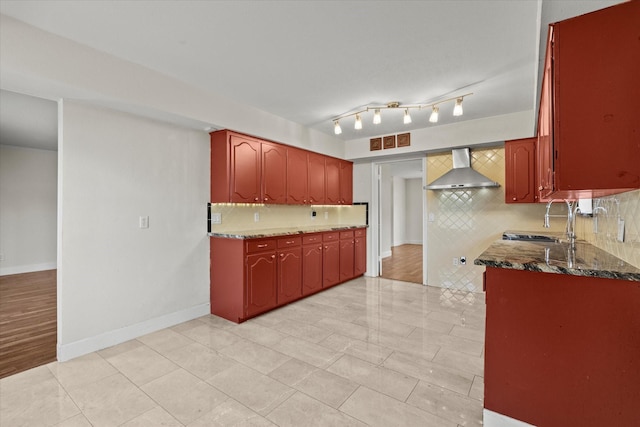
<point x="242" y="217"/>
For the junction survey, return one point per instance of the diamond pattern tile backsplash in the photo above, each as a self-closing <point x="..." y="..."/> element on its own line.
<point x="465" y="222"/>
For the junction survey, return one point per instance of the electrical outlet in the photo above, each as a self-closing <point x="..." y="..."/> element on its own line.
<point x="313" y="214"/>
<point x="455" y="261"/>
<point x="432" y="217"/>
<point x="256" y="217"/>
<point x="143" y="222"/>
<point x="216" y="218"/>
<point x="463" y="260"/>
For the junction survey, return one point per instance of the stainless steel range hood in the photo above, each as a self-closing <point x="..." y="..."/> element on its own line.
<point x="461" y="176"/>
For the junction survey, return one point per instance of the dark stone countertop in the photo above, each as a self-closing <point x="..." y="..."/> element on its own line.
<point x="275" y="232"/>
<point x="557" y="257"/>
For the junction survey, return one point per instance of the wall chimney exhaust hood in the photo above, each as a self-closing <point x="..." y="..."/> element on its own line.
<point x="461" y="176"/>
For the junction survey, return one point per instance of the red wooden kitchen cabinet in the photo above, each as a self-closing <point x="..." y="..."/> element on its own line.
<point x="261" y="283"/>
<point x="520" y="161"/>
<point x="247" y="170"/>
<point x="347" y="248"/>
<point x="590" y="103"/>
<point x="331" y="259"/>
<point x="311" y="263"/>
<point x="316" y="177"/>
<point x="297" y="177"/>
<point x="346" y="182"/>
<point x="360" y="252"/>
<point x="332" y="180"/>
<point x="289" y="269"/>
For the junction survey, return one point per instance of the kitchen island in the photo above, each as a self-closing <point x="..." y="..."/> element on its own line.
<point x="562" y="343"/>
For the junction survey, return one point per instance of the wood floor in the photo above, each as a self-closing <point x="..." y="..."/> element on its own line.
<point x="28" y="322"/>
<point x="404" y="264"/>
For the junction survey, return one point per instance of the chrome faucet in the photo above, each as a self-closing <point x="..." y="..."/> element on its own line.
<point x="571" y="219"/>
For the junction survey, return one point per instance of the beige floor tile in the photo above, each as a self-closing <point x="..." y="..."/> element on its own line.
<point x="187" y="326"/>
<point x="429" y="371"/>
<point x="34" y="398"/>
<point x="292" y="372"/>
<point x="75" y="421"/>
<point x="377" y="409"/>
<point x="326" y="387"/>
<point x="468" y="333"/>
<point x="111" y="401"/>
<point x="231" y="413"/>
<point x="256" y="356"/>
<point x="201" y="361"/>
<point x="155" y="417"/>
<point x="211" y="336"/>
<point x="184" y="395"/>
<point x="81" y="370"/>
<point x="421" y="321"/>
<point x="364" y="350"/>
<point x="165" y="340"/>
<point x="477" y="388"/>
<point x="349" y="329"/>
<point x="301" y="410"/>
<point x="120" y="348"/>
<point x="306" y="351"/>
<point x="460" y="361"/>
<point x="302" y="330"/>
<point x="385" y="325"/>
<point x="417" y="347"/>
<point x="218" y="322"/>
<point x="391" y="383"/>
<point x="447" y="404"/>
<point x="142" y="365"/>
<point x="258" y="333"/>
<point x="251" y="388"/>
<point x="449" y="342"/>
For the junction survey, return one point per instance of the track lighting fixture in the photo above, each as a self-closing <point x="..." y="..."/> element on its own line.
<point x="358" y="123"/>
<point x="377" y="116"/>
<point x="433" y="118"/>
<point x="457" y="109"/>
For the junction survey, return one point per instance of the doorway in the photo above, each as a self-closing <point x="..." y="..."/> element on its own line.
<point x="400" y="220"/>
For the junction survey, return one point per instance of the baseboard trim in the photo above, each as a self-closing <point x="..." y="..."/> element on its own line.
<point x="386" y="254"/>
<point x="118" y="336"/>
<point x="494" y="419"/>
<point x="6" y="271"/>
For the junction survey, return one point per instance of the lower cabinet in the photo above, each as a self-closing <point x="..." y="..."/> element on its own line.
<point x="252" y="276"/>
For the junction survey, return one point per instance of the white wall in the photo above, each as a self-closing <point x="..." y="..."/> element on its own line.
<point x="115" y="280"/>
<point x="386" y="211"/>
<point x="413" y="217"/>
<point x="399" y="211"/>
<point x="28" y="206"/>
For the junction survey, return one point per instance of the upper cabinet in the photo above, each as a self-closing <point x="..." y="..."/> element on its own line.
<point x="249" y="170"/>
<point x="589" y="123"/>
<point x="520" y="171"/>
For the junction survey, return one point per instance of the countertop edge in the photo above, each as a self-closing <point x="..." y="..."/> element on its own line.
<point x="257" y="234"/>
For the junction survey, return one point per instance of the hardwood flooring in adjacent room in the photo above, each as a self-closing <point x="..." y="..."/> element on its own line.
<point x="28" y="321"/>
<point x="404" y="264"/>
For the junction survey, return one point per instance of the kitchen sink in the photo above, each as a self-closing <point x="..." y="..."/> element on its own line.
<point x="532" y="236"/>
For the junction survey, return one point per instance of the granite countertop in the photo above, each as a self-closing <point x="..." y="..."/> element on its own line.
<point x="557" y="257"/>
<point x="274" y="232"/>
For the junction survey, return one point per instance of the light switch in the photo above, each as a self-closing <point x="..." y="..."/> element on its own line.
<point x="216" y="218"/>
<point x="620" y="230"/>
<point x="143" y="222"/>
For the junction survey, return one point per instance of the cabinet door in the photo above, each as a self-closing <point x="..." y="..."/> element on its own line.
<point x="245" y="170"/>
<point x="311" y="268"/>
<point x="520" y="170"/>
<point x="331" y="264"/>
<point x="360" y="253"/>
<point x="289" y="275"/>
<point x="274" y="173"/>
<point x="346" y="183"/>
<point x="332" y="181"/>
<point x="297" y="176"/>
<point x="346" y="259"/>
<point x="261" y="283"/>
<point x="544" y="145"/>
<point x="316" y="179"/>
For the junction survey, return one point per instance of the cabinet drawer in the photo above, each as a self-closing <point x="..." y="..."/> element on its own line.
<point x="329" y="237"/>
<point x="361" y="232"/>
<point x="286" y="242"/>
<point x="346" y="234"/>
<point x="308" y="239"/>
<point x="260" y="245"/>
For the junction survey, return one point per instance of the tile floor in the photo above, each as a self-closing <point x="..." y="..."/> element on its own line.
<point x="370" y="352"/>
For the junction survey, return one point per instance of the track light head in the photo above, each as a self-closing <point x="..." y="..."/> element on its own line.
<point x="358" y="124"/>
<point x="457" y="109"/>
<point x="407" y="116"/>
<point x="336" y="128"/>
<point x="433" y="118"/>
<point x="377" y="119"/>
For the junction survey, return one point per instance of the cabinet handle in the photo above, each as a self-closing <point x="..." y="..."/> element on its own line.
<point x="281" y="255"/>
<point x="514" y="199"/>
<point x="273" y="256"/>
<point x="290" y="242"/>
<point x="320" y="248"/>
<point x="266" y="198"/>
<point x="540" y="188"/>
<point x="326" y="247"/>
<point x="255" y="200"/>
<point x="264" y="245"/>
<point x="353" y="241"/>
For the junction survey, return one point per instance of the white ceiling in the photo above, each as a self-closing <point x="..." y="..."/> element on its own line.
<point x="310" y="61"/>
